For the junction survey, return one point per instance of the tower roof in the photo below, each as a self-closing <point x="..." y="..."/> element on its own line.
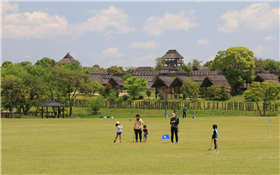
<point x="172" y="54"/>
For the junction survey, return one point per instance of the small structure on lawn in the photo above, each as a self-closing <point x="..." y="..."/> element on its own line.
<point x="53" y="104"/>
<point x="68" y="59"/>
<point x="162" y="83"/>
<point x="266" y="78"/>
<point x="215" y="80"/>
<point x="173" y="58"/>
<point x="116" y="81"/>
<point x="178" y="83"/>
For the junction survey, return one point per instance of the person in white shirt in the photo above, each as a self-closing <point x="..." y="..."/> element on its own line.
<point x="119" y="130"/>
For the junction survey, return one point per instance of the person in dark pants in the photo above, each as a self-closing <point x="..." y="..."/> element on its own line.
<point x="185" y="112"/>
<point x="138" y="128"/>
<point x="215" y="138"/>
<point x="174" y="121"/>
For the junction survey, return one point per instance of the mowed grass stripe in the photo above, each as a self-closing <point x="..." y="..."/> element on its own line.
<point x="85" y="146"/>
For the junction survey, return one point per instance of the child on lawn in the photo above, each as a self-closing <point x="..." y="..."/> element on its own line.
<point x="215" y="138"/>
<point x="166" y="116"/>
<point x="145" y="134"/>
<point x="119" y="131"/>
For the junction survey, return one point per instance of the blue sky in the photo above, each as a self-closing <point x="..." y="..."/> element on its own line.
<point x="136" y="33"/>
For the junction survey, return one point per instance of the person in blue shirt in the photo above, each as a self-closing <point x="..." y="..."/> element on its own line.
<point x="215" y="138"/>
<point x="166" y="115"/>
<point x="185" y="112"/>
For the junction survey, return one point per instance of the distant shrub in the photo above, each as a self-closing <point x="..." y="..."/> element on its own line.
<point x="141" y="97"/>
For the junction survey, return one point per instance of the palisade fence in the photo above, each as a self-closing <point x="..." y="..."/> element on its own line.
<point x="242" y="106"/>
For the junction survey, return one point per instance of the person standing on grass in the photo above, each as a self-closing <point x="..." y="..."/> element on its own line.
<point x="215" y="138"/>
<point x="174" y="121"/>
<point x="119" y="131"/>
<point x="175" y="111"/>
<point x="138" y="128"/>
<point x="166" y="115"/>
<point x="145" y="134"/>
<point x="185" y="112"/>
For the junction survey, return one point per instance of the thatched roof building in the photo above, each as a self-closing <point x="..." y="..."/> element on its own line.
<point x="173" y="58"/>
<point x="162" y="83"/>
<point x="178" y="83"/>
<point x="150" y="76"/>
<point x="68" y="59"/>
<point x="97" y="78"/>
<point x="170" y="69"/>
<point x="196" y="68"/>
<point x="116" y="81"/>
<point x="97" y="72"/>
<point x="144" y="69"/>
<point x="96" y="66"/>
<point x="215" y="80"/>
<point x="266" y="78"/>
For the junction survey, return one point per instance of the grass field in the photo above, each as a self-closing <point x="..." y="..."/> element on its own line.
<point x="85" y="146"/>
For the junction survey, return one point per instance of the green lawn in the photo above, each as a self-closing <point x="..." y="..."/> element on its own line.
<point x="85" y="146"/>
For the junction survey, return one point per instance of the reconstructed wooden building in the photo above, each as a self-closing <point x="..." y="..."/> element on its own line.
<point x="266" y="78"/>
<point x="150" y="76"/>
<point x="116" y="81"/>
<point x="162" y="83"/>
<point x="178" y="83"/>
<point x="215" y="80"/>
<point x="144" y="69"/>
<point x="68" y="59"/>
<point x="173" y="58"/>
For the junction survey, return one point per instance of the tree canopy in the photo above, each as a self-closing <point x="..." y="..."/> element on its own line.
<point x="134" y="86"/>
<point x="264" y="92"/>
<point x="238" y="62"/>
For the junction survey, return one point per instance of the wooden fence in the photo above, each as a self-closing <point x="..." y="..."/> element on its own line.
<point x="242" y="106"/>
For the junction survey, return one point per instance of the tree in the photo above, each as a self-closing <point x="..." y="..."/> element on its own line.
<point x="207" y="64"/>
<point x="190" y="88"/>
<point x="10" y="90"/>
<point x="7" y="64"/>
<point x="126" y="76"/>
<point x="196" y="62"/>
<point x="90" y="86"/>
<point x="213" y="91"/>
<point x="265" y="92"/>
<point x="185" y="68"/>
<point x="94" y="106"/>
<point x="134" y="86"/>
<point x="35" y="83"/>
<point x="238" y="62"/>
<point x="160" y="63"/>
<point x="130" y="69"/>
<point x="114" y="69"/>
<point x="148" y="93"/>
<point x="46" y="62"/>
<point x="70" y="80"/>
<point x="105" y="90"/>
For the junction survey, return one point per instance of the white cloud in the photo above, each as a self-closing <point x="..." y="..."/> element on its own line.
<point x="144" y="61"/>
<point x="148" y="45"/>
<point x="258" y="16"/>
<point x="208" y="59"/>
<point x="202" y="42"/>
<point x="40" y="24"/>
<point x="104" y="19"/>
<point x="32" y="25"/>
<point x="270" y="38"/>
<point x="258" y="51"/>
<point x="25" y="56"/>
<point x="157" y="25"/>
<point x="6" y="6"/>
<point x="112" y="52"/>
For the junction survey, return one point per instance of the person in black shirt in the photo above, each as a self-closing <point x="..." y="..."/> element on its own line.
<point x="174" y="121"/>
<point x="145" y="133"/>
<point x="215" y="138"/>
